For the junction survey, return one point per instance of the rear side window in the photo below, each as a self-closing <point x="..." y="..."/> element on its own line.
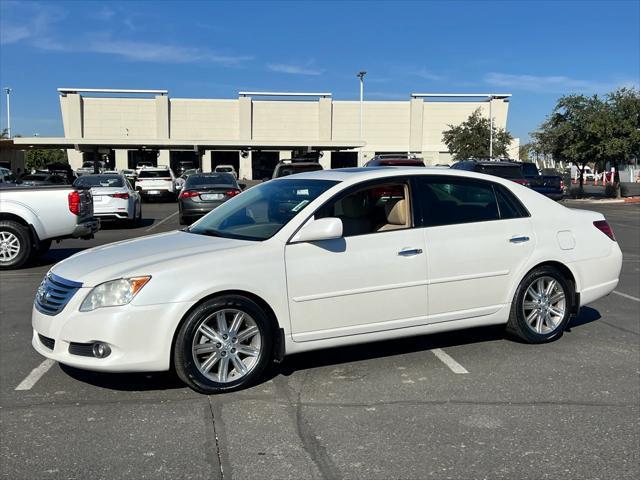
<point x="502" y="171"/>
<point x="450" y="201"/>
<point x="509" y="205"/>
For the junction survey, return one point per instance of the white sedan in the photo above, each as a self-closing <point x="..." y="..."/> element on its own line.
<point x="113" y="197"/>
<point x="322" y="259"/>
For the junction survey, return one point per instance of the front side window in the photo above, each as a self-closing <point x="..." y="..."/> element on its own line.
<point x="449" y="201"/>
<point x="372" y="209"/>
<point x="260" y="212"/>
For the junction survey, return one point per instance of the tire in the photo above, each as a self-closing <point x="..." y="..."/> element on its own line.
<point x="183" y="221"/>
<point x="217" y="368"/>
<point x="536" y="318"/>
<point x="15" y="244"/>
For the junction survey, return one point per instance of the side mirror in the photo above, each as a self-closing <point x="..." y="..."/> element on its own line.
<point x="242" y="186"/>
<point x="328" y="228"/>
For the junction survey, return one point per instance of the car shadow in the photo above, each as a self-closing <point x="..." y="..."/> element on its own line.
<point x="129" y="382"/>
<point x="55" y="255"/>
<point x="121" y="225"/>
<point x="320" y="358"/>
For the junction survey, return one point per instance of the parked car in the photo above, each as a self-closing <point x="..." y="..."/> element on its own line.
<point x="130" y="175"/>
<point x="32" y="217"/>
<point x="89" y="166"/>
<point x="113" y="197"/>
<point x="7" y="176"/>
<point x="203" y="192"/>
<point x="289" y="167"/>
<point x="183" y="178"/>
<point x="40" y="179"/>
<point x="226" y="169"/>
<point x="394" y="161"/>
<point x="500" y="168"/>
<point x="144" y="164"/>
<point x="551" y="186"/>
<point x="184" y="165"/>
<point x="156" y="183"/>
<point x="325" y="259"/>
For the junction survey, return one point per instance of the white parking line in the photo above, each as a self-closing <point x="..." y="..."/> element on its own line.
<point x="630" y="297"/>
<point x="454" y="366"/>
<point x="35" y="375"/>
<point x="161" y="222"/>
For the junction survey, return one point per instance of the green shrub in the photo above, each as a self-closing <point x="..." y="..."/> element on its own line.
<point x="610" y="190"/>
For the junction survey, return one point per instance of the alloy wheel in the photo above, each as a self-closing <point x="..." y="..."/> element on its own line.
<point x="227" y="345"/>
<point x="544" y="305"/>
<point x="9" y="246"/>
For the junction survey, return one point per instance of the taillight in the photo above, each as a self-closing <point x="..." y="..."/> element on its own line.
<point x="523" y="182"/>
<point x="189" y="194"/>
<point x="124" y="196"/>
<point x="74" y="202"/>
<point x="232" y="193"/>
<point x="605" y="228"/>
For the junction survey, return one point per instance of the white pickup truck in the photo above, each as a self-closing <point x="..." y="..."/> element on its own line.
<point x="31" y="217"/>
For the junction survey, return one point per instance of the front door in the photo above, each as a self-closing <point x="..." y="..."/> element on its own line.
<point x="372" y="279"/>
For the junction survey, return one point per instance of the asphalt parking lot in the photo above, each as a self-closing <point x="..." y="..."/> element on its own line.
<point x="464" y="405"/>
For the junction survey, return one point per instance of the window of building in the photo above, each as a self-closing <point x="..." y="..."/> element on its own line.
<point x="377" y="208"/>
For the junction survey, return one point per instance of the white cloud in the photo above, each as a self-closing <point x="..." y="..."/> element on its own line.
<point x="295" y="69"/>
<point x="162" y="53"/>
<point x="428" y="75"/>
<point x="551" y="84"/>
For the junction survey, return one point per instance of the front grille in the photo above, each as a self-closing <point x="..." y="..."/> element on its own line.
<point x="82" y="349"/>
<point x="54" y="293"/>
<point x="47" y="342"/>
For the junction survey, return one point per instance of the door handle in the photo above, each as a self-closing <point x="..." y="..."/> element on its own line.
<point x="409" y="252"/>
<point x="519" y="239"/>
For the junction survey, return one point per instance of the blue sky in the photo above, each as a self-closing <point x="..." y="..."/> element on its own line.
<point x="536" y="50"/>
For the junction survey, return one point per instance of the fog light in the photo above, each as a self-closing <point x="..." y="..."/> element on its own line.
<point x="101" y="350"/>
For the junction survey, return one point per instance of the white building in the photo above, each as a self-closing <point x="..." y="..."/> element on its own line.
<point x="256" y="130"/>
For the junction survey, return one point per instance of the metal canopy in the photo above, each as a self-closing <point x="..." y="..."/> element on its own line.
<point x="88" y="144"/>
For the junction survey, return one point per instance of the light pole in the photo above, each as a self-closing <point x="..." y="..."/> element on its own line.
<point x="490" y="127"/>
<point x="361" y="77"/>
<point x="7" y="90"/>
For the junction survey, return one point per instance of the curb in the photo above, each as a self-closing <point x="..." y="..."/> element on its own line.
<point x="605" y="200"/>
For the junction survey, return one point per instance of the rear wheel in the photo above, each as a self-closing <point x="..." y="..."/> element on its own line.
<point x="541" y="307"/>
<point x="223" y="345"/>
<point x="15" y="244"/>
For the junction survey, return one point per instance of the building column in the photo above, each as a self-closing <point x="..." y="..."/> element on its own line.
<point x="246" y="168"/>
<point x="122" y="159"/>
<point x="74" y="115"/>
<point x="164" y="158"/>
<point x="162" y="116"/>
<point x="205" y="161"/>
<point x="325" y="160"/>
<point x="246" y="118"/>
<point x="325" y="107"/>
<point x="416" y="129"/>
<point x="75" y="158"/>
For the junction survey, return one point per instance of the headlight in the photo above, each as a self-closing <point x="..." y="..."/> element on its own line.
<point x="113" y="293"/>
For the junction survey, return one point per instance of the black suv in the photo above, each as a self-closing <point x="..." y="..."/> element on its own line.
<point x="499" y="168"/>
<point x="389" y="160"/>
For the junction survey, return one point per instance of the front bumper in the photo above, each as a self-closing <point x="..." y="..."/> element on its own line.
<point x="140" y="337"/>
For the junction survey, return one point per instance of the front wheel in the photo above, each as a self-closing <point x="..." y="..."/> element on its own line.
<point x="223" y="345"/>
<point x="541" y="307"/>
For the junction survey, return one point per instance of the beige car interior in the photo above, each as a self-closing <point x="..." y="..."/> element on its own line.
<point x="362" y="212"/>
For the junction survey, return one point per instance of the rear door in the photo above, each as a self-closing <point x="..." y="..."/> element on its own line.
<point x="374" y="278"/>
<point x="478" y="238"/>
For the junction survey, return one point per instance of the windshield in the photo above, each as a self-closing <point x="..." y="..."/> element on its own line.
<point x="209" y="180"/>
<point x="99" y="181"/>
<point x="290" y="169"/>
<point x="260" y="212"/>
<point x="155" y="174"/>
<point x="224" y="169"/>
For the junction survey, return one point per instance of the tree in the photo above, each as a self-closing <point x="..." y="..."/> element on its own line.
<point x="583" y="129"/>
<point x="40" y="158"/>
<point x="4" y="134"/>
<point x="470" y="139"/>
<point x="525" y="151"/>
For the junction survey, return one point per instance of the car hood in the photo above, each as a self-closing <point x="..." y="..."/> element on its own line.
<point x="140" y="256"/>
